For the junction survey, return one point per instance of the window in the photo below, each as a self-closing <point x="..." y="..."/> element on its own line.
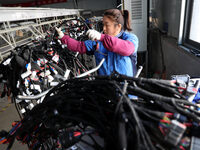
<point x="195" y="21"/>
<point x="191" y="28"/>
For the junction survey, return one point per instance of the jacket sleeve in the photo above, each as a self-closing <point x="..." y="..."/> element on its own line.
<point x="124" y="47"/>
<point x="91" y="46"/>
<point x="73" y="45"/>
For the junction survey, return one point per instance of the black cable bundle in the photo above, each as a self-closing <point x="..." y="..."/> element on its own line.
<point x="87" y="111"/>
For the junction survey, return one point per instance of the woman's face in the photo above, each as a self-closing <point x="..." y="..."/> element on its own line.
<point x="111" y="28"/>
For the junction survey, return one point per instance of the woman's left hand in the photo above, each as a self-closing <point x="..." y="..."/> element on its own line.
<point x="93" y="34"/>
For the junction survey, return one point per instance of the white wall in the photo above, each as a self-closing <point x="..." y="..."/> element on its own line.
<point x="139" y="26"/>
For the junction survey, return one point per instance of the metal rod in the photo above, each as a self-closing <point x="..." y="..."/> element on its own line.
<point x="6" y="40"/>
<point x="32" y="32"/>
<point x="29" y="25"/>
<point x="139" y="71"/>
<point x="92" y="70"/>
<point x="13" y="39"/>
<point x="40" y="26"/>
<point x="38" y="31"/>
<point x="35" y="97"/>
<point x="6" y="34"/>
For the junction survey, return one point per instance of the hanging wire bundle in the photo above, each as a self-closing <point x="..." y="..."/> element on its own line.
<point x="76" y="28"/>
<point x="98" y="113"/>
<point x="34" y="68"/>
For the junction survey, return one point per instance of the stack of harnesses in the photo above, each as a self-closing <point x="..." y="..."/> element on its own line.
<point x="96" y="113"/>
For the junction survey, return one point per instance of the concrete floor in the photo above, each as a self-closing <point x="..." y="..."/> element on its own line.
<point x="8" y="114"/>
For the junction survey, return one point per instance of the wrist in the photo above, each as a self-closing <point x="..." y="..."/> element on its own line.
<point x="102" y="37"/>
<point x="61" y="35"/>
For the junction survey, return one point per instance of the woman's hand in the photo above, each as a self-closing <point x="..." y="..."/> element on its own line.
<point x="60" y="33"/>
<point x="93" y="34"/>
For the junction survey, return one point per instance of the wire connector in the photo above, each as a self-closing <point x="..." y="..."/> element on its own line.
<point x="175" y="132"/>
<point x="195" y="143"/>
<point x="180" y="117"/>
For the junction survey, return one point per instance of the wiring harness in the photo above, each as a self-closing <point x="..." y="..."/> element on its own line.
<point x="44" y="63"/>
<point x="99" y="113"/>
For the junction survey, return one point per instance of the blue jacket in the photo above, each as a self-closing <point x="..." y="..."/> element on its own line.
<point x="125" y="65"/>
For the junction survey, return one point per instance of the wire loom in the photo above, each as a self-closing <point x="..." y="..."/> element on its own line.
<point x="161" y="118"/>
<point x="32" y="69"/>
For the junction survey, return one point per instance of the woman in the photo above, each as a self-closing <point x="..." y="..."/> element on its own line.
<point x="119" y="48"/>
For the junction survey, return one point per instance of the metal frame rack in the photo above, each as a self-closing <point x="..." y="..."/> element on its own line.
<point x="19" y="25"/>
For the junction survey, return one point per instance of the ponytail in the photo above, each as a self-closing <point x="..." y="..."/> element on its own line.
<point x="127" y="22"/>
<point x="120" y="17"/>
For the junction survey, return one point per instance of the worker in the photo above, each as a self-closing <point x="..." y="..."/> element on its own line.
<point x="118" y="47"/>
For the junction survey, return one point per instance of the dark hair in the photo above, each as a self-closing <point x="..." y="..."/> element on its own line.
<point x="127" y="21"/>
<point x="120" y="17"/>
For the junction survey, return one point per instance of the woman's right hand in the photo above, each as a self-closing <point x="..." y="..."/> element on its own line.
<point x="93" y="34"/>
<point x="60" y="33"/>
